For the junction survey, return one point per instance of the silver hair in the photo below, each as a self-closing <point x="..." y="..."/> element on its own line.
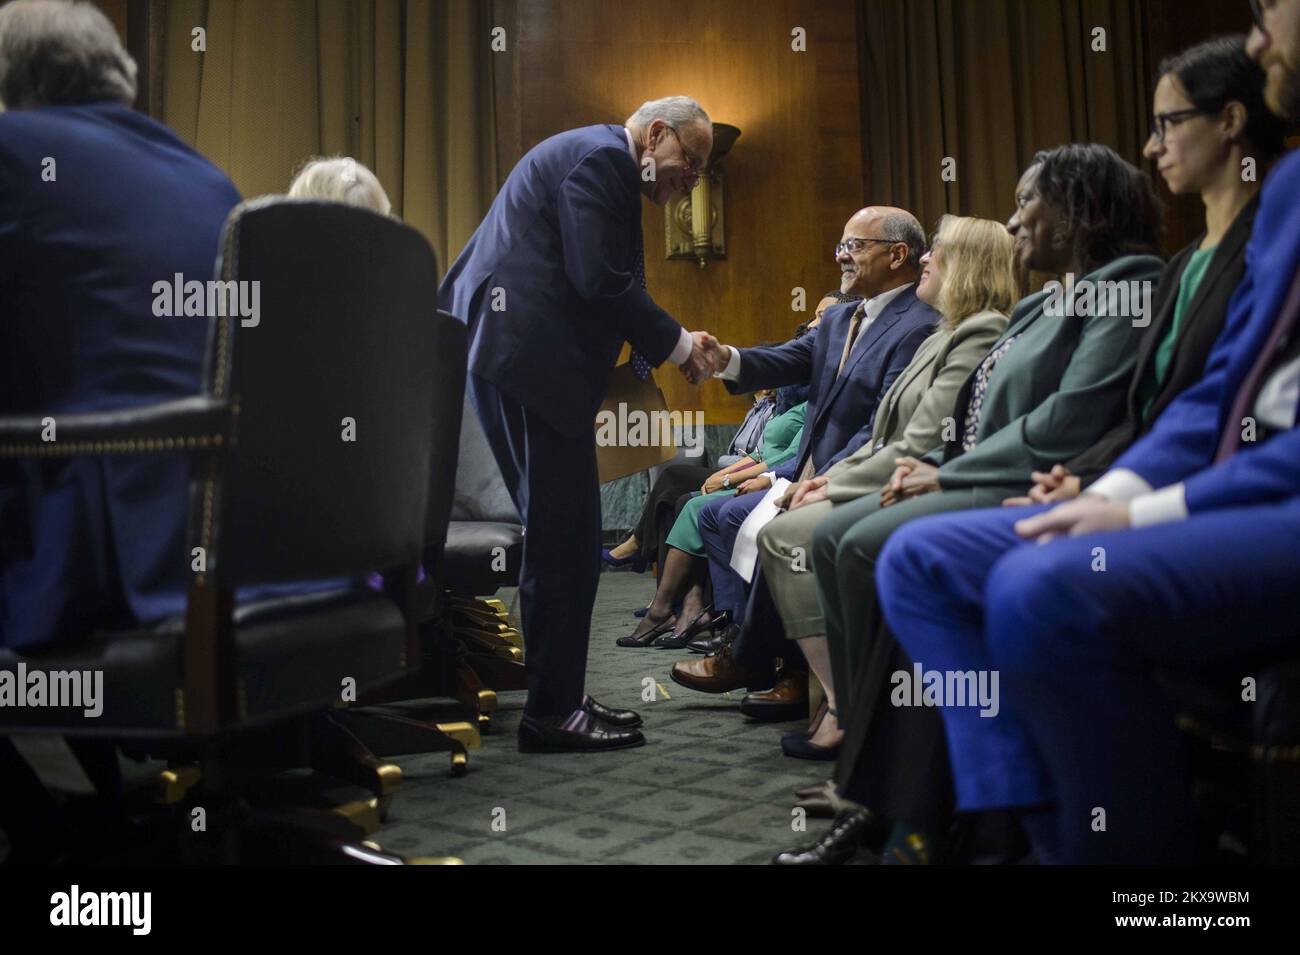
<point x="903" y="227"/>
<point x="676" y="111"/>
<point x="61" y="53"/>
<point x="341" y="179"/>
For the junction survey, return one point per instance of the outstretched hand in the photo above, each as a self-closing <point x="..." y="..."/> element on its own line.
<point x="707" y="357"/>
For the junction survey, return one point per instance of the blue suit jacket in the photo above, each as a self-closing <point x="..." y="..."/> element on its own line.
<point x="96" y="542"/>
<point x="1182" y="444"/>
<point x="840" y="409"/>
<point x="560" y="242"/>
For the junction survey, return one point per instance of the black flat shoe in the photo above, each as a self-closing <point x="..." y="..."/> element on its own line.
<point x="544" y="736"/>
<point x="676" y="640"/>
<point x="808" y="733"/>
<point x="623" y="719"/>
<point x="647" y="638"/>
<point x="852" y="832"/>
<point x="723" y="632"/>
<point x="802" y="747"/>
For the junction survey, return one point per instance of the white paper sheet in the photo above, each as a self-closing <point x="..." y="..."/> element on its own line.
<point x="744" y="557"/>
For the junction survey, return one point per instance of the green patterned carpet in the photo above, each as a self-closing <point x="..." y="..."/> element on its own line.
<point x="709" y="786"/>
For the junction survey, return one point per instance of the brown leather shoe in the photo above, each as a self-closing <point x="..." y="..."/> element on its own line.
<point x="715" y="674"/>
<point x="788" y="700"/>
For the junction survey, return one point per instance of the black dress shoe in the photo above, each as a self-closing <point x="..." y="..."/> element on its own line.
<point x="715" y="641"/>
<point x="679" y="638"/>
<point x="623" y="719"/>
<point x="853" y="831"/>
<point x="549" y="736"/>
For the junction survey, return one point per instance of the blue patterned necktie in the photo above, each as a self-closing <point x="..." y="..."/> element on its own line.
<point x="640" y="367"/>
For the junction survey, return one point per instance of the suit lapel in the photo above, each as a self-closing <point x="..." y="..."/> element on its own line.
<point x="866" y="338"/>
<point x="1158" y="329"/>
<point x="1227" y="252"/>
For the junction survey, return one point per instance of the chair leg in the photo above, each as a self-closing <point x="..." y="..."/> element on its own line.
<point x="394" y="734"/>
<point x="474" y="696"/>
<point x="336" y="751"/>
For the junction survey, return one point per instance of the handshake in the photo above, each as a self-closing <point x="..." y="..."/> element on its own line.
<point x="708" y="357"/>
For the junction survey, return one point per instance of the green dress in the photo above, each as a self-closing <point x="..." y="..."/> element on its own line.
<point x="780" y="443"/>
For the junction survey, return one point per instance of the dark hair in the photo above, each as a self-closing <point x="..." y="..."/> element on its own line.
<point x="1218" y="72"/>
<point x="1109" y="206"/>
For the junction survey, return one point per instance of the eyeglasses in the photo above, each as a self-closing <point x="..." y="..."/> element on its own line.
<point x="694" y="167"/>
<point x="1161" y="122"/>
<point x="855" y="244"/>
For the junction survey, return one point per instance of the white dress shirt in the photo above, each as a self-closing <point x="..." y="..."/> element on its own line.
<point x="874" y="307"/>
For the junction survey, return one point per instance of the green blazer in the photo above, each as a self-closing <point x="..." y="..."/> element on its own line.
<point x="910" y="419"/>
<point x="1058" y="389"/>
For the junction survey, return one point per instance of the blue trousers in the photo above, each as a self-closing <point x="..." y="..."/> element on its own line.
<point x="719" y="522"/>
<point x="552" y="478"/>
<point x="1076" y="630"/>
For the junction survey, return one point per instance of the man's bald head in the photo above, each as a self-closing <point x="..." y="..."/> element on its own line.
<point x="880" y="249"/>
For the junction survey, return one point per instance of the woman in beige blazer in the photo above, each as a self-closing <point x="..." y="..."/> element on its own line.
<point x="969" y="277"/>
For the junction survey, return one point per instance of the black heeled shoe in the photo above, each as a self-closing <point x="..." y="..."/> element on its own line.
<point x="649" y="637"/>
<point x="676" y="640"/>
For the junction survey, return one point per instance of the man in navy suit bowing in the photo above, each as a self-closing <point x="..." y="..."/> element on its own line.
<point x="551" y="284"/>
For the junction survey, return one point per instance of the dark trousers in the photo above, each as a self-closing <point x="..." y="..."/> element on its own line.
<point x="662" y="506"/>
<point x="552" y="478"/>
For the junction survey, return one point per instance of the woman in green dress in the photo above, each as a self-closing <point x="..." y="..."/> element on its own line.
<point x="685" y="569"/>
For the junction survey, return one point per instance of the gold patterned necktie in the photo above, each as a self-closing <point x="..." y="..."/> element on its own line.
<point x="854" y="324"/>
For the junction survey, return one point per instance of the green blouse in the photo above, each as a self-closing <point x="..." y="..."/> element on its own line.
<point x="780" y="443"/>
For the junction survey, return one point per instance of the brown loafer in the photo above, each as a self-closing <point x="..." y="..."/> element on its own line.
<point x="714" y="674"/>
<point x="788" y="700"/>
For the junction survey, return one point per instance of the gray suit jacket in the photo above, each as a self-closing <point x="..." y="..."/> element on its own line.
<point x="910" y="419"/>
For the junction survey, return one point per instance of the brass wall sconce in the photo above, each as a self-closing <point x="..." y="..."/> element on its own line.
<point x="694" y="223"/>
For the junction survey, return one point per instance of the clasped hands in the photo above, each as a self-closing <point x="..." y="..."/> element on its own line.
<point x="708" y="357"/>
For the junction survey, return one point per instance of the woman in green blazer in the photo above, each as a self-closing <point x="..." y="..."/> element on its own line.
<point x="1054" y="382"/>
<point x="685" y="568"/>
<point x="968" y="276"/>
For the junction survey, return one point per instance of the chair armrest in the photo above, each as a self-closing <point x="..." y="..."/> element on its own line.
<point x="188" y="424"/>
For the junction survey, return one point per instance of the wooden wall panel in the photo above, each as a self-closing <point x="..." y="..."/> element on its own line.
<point x="792" y="179"/>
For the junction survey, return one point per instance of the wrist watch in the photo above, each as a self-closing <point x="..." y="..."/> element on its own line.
<point x="726" y="480"/>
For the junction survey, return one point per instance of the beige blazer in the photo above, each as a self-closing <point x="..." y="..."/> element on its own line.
<point x="910" y="419"/>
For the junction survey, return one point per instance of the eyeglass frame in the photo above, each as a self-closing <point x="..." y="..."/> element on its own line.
<point x="1160" y="121"/>
<point x="843" y="246"/>
<point x="692" y="167"/>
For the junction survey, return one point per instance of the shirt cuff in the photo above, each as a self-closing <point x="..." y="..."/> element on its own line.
<point x="1159" y="507"/>
<point x="732" y="371"/>
<point x="685" y="344"/>
<point x="1119" y="485"/>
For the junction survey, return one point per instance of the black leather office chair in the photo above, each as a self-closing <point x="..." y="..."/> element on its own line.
<point x="313" y="445"/>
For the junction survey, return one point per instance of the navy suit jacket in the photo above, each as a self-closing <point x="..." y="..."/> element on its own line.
<point x="1182" y="444"/>
<point x="94" y="542"/>
<point x="840" y="409"/>
<point x="560" y="243"/>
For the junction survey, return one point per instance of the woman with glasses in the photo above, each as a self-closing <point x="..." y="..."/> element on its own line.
<point x="1210" y="129"/>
